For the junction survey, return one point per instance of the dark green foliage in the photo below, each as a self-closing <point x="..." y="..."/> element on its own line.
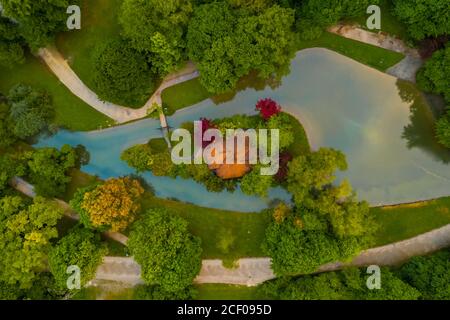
<point x="143" y="292"/>
<point x="30" y="111"/>
<point x="39" y="19"/>
<point x="240" y="43"/>
<point x="9" y="168"/>
<point x="122" y="74"/>
<point x="7" y="138"/>
<point x="348" y="284"/>
<point x="443" y="130"/>
<point x="76" y="204"/>
<point x="429" y="274"/>
<point x="424" y="18"/>
<point x="314" y="16"/>
<point x="434" y="75"/>
<point x="157" y="29"/>
<point x="48" y="169"/>
<point x="168" y="254"/>
<point x="81" y="247"/>
<point x="11" y="51"/>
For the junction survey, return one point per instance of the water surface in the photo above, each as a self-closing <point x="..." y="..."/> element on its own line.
<point x="385" y="132"/>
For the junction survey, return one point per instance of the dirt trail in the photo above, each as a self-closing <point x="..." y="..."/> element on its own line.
<point x="253" y="271"/>
<point x="59" y="66"/>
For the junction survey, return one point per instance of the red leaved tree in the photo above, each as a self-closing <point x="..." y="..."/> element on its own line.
<point x="268" y="108"/>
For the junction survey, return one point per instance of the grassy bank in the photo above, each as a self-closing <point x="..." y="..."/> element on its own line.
<point x="372" y="56"/>
<point x="227" y="292"/>
<point x="71" y="112"/>
<point x="406" y="221"/>
<point x="183" y="95"/>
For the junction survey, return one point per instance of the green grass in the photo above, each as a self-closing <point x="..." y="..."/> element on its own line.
<point x="212" y="225"/>
<point x="367" y="54"/>
<point x="301" y="144"/>
<point x="406" y="221"/>
<point x="71" y="112"/>
<point x="79" y="180"/>
<point x="99" y="19"/>
<point x="183" y="95"/>
<point x="389" y="23"/>
<point x="227" y="292"/>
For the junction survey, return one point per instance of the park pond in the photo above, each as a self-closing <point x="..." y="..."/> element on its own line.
<point x="382" y="125"/>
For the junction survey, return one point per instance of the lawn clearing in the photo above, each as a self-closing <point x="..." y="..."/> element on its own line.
<point x="375" y="57"/>
<point x="70" y="112"/>
<point x="405" y="221"/>
<point x="183" y="95"/>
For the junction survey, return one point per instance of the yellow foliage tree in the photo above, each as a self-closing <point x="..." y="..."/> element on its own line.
<point x="113" y="203"/>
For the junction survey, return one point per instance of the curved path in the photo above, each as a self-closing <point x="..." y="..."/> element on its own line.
<point x="405" y="69"/>
<point x="253" y="271"/>
<point x="59" y="66"/>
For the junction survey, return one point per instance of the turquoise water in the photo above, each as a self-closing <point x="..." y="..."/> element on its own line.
<point x="341" y="103"/>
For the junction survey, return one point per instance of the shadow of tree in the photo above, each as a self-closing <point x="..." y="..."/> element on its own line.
<point x="420" y="133"/>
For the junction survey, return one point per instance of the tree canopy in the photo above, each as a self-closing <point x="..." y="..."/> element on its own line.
<point x="39" y="20"/>
<point x="81" y="247"/>
<point x="227" y="44"/>
<point x="25" y="235"/>
<point x="122" y="74"/>
<point x="30" y="111"/>
<point x="11" y="50"/>
<point x="168" y="254"/>
<point x="157" y="28"/>
<point x="424" y="18"/>
<point x="110" y="205"/>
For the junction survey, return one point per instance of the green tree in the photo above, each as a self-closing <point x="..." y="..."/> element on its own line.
<point x="429" y="274"/>
<point x="81" y="247"/>
<point x="347" y="284"/>
<point x="243" y="41"/>
<point x="39" y="20"/>
<point x="254" y="183"/>
<point x="424" y="18"/>
<point x="49" y="168"/>
<point x="313" y="171"/>
<point x="433" y="76"/>
<point x="168" y="254"/>
<point x="443" y="130"/>
<point x="7" y="137"/>
<point x="30" y="111"/>
<point x="9" y="168"/>
<point x="157" y="28"/>
<point x="25" y="235"/>
<point x="11" y="51"/>
<point x="122" y="74"/>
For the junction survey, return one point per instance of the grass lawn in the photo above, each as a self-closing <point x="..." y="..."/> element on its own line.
<point x="389" y="23"/>
<point x="243" y="231"/>
<point x="71" y="112"/>
<point x="372" y="56"/>
<point x="301" y="144"/>
<point x="183" y="95"/>
<point x="406" y="221"/>
<point x="227" y="292"/>
<point x="79" y="180"/>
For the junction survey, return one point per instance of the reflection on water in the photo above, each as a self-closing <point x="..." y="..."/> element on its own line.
<point x="379" y="125"/>
<point x="419" y="132"/>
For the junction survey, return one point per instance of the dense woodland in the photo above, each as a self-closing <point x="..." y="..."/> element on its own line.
<point x="226" y="40"/>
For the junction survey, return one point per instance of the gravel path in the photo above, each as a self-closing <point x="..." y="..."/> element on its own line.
<point x="59" y="66"/>
<point x="253" y="271"/>
<point x="405" y="69"/>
